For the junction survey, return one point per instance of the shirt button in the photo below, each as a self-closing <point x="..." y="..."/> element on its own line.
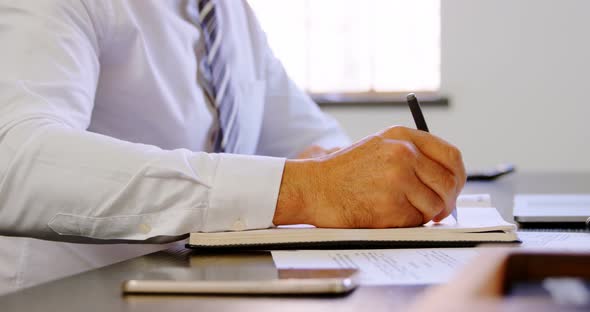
<point x="238" y="226"/>
<point x="145" y="228"/>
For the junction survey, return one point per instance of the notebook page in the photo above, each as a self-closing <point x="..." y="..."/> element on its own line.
<point x="472" y="219"/>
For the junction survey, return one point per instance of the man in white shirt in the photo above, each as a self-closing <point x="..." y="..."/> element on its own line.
<point x="108" y="133"/>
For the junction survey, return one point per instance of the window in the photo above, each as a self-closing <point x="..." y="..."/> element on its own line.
<point x="346" y="46"/>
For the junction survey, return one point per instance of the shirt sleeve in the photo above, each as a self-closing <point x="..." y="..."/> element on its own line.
<point x="292" y="120"/>
<point x="61" y="182"/>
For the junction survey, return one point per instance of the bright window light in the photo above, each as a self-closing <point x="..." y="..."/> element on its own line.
<point x="346" y="46"/>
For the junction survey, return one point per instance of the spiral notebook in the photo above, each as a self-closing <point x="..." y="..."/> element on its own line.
<point x="476" y="225"/>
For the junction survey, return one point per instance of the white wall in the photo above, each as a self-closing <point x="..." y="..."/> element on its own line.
<point x="518" y="75"/>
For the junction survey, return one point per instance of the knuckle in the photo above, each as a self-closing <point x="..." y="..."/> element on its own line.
<point x="399" y="175"/>
<point x="404" y="150"/>
<point x="397" y="131"/>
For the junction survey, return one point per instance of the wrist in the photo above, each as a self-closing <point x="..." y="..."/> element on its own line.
<point x="296" y="193"/>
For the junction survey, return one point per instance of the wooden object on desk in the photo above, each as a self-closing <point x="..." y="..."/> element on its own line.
<point x="483" y="284"/>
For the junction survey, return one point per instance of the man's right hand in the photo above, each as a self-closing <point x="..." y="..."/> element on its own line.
<point x="399" y="177"/>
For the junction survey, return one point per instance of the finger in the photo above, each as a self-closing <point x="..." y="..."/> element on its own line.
<point x="432" y="146"/>
<point x="445" y="213"/>
<point x="441" y="152"/>
<point x="440" y="180"/>
<point x="424" y="199"/>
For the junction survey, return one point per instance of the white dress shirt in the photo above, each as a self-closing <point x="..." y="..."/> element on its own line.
<point x="105" y="132"/>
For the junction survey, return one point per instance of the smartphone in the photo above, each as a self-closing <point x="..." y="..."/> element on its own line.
<point x="286" y="281"/>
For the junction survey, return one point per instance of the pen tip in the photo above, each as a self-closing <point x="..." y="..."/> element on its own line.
<point x="410" y="96"/>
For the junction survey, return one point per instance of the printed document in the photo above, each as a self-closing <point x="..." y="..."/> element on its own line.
<point x="383" y="266"/>
<point x="566" y="241"/>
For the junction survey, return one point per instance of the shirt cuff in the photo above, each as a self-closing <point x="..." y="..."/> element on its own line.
<point x="244" y="193"/>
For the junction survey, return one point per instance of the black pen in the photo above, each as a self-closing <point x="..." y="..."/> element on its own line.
<point x="421" y="124"/>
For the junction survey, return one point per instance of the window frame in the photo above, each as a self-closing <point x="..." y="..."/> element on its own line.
<point x="382" y="98"/>
<point x="377" y="99"/>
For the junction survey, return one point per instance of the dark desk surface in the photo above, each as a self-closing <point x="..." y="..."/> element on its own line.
<point x="101" y="289"/>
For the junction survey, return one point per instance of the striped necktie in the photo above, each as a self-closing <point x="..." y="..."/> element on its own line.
<point x="217" y="79"/>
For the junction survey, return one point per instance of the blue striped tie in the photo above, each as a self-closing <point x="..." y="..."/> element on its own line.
<point x="217" y="76"/>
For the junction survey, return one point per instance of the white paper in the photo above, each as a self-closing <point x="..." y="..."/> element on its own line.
<point x="421" y="266"/>
<point x="470" y="220"/>
<point x="383" y="266"/>
<point x="417" y="266"/>
<point x="567" y="241"/>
